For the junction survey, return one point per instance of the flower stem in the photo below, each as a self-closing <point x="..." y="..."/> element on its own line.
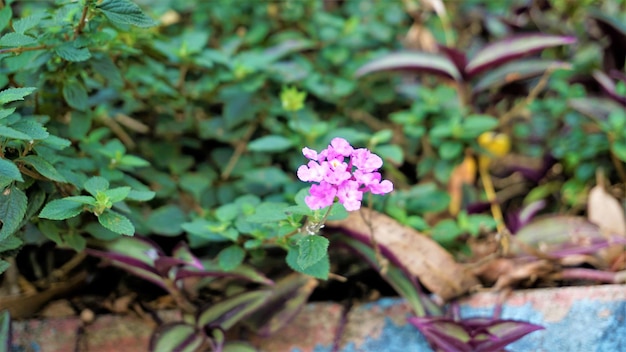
<point x="483" y="167"/>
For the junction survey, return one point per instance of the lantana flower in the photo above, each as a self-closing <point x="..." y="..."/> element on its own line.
<point x="342" y="172"/>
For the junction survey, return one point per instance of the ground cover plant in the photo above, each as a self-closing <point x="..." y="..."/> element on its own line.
<point x="243" y="160"/>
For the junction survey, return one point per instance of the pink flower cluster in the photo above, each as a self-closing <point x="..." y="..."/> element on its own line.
<point x="336" y="177"/>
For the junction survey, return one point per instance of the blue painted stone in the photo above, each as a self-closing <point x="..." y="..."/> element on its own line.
<point x="577" y="319"/>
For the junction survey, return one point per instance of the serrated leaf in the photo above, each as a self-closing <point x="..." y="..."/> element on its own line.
<point x="412" y="61"/>
<point x="24" y="24"/>
<point x="16" y="40"/>
<point x="318" y="270"/>
<point x="10" y="243"/>
<point x="176" y="336"/>
<point x="509" y="49"/>
<point x="117" y="194"/>
<point x="14" y="94"/>
<point x="75" y="95"/>
<point x="61" y="209"/>
<point x="6" y="112"/>
<point x="231" y="257"/>
<point x="273" y="143"/>
<point x="12" y="133"/>
<point x="96" y="184"/>
<point x="13" y="204"/>
<point x="42" y="166"/>
<point x="9" y="170"/>
<point x="125" y="12"/>
<point x="32" y="128"/>
<point x="116" y="223"/>
<point x="167" y="220"/>
<point x="311" y="249"/>
<point x="68" y="52"/>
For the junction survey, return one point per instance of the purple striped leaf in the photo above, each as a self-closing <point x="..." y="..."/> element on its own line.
<point x="509" y="49"/>
<point x="414" y="61"/>
<point x="288" y="297"/>
<point x="516" y="71"/>
<point x="211" y="269"/>
<point x="180" y="337"/>
<point x="608" y="86"/>
<point x="228" y="312"/>
<point x="134" y="266"/>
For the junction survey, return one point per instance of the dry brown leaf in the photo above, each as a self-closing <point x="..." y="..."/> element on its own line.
<point x="419" y="37"/>
<point x="418" y="254"/>
<point x="606" y="212"/>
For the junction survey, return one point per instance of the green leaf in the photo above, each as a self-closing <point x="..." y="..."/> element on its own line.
<point x="117" y="194"/>
<point x="24" y="24"/>
<point x="12" y="133"/>
<point x="10" y="243"/>
<point x="318" y="270"/>
<point x="619" y="149"/>
<point x="68" y="52"/>
<point x="133" y="161"/>
<point x="14" y="94"/>
<point x="273" y="143"/>
<point x="13" y="204"/>
<point x="9" y="170"/>
<point x="5" y="16"/>
<point x="126" y="13"/>
<point x="74" y="241"/>
<point x="61" y="209"/>
<point x="5" y="318"/>
<point x="116" y="223"/>
<point x="269" y="212"/>
<point x="141" y="196"/>
<point x="32" y="128"/>
<point x="42" y="166"/>
<point x="96" y="184"/>
<point x="474" y="125"/>
<point x="6" y="112"/>
<point x="3" y="267"/>
<point x="450" y="150"/>
<point x="75" y="95"/>
<point x="99" y="232"/>
<point x="231" y="257"/>
<point x="167" y="220"/>
<point x="311" y="249"/>
<point x="16" y="40"/>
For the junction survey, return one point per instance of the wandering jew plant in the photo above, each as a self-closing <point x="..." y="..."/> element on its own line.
<point x="338" y="178"/>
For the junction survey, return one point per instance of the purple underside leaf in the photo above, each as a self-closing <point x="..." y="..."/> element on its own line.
<point x="132" y="265"/>
<point x="163" y="265"/>
<point x="182" y="252"/>
<point x="244" y="272"/>
<point x="414" y="61"/>
<point x="501" y="333"/>
<point x="289" y="296"/>
<point x="457" y="57"/>
<point x="516" y="71"/>
<point x="597" y="108"/>
<point x="608" y="86"/>
<point x="444" y="334"/>
<point x="136" y="247"/>
<point x="618" y="75"/>
<point x="509" y="49"/>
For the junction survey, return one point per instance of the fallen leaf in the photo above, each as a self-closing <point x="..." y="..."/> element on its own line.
<point x="606" y="212"/>
<point x="411" y="250"/>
